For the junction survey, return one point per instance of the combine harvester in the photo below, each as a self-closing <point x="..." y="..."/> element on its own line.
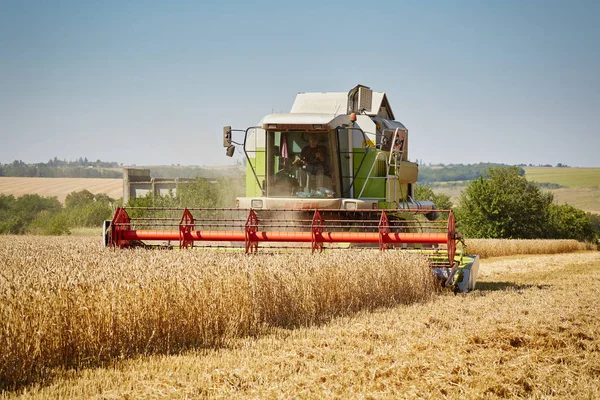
<point x="332" y="173"/>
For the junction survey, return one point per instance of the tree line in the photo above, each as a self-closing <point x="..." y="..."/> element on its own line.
<point x="32" y="213"/>
<point x="55" y="168"/>
<point x="82" y="168"/>
<point x="457" y="172"/>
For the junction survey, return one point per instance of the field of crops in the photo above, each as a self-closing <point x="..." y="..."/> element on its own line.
<point x="581" y="185"/>
<point x="69" y="303"/>
<point x="569" y="177"/>
<point x="487" y="248"/>
<point x="59" y="187"/>
<point x="77" y="321"/>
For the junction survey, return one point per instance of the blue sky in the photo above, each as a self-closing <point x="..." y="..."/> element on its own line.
<point x="150" y="82"/>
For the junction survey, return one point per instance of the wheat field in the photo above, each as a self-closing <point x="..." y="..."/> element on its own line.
<point x="77" y="321"/>
<point x="569" y="177"/>
<point x="487" y="248"/>
<point x="67" y="303"/>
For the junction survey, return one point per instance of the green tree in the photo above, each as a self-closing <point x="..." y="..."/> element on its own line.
<point x="6" y="201"/>
<point x="46" y="223"/>
<point x="568" y="222"/>
<point x="9" y="222"/>
<point x="103" y="198"/>
<point x="86" y="209"/>
<point x="91" y="214"/>
<point x="78" y="199"/>
<point x="595" y="221"/>
<point x="199" y="193"/>
<point x="28" y="206"/>
<point x="441" y="200"/>
<point x="17" y="214"/>
<point x="503" y="205"/>
<point x="139" y="204"/>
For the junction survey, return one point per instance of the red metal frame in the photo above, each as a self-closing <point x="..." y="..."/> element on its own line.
<point x="119" y="225"/>
<point x="250" y="236"/>
<point x="453" y="236"/>
<point x="384" y="231"/>
<point x="317" y="232"/>
<point x="186" y="225"/>
<point x="302" y="237"/>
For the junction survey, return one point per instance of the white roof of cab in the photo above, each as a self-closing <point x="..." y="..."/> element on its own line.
<point x="332" y="103"/>
<point x="298" y="118"/>
<point x="336" y="103"/>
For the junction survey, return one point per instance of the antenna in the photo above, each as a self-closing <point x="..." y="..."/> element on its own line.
<point x="336" y="110"/>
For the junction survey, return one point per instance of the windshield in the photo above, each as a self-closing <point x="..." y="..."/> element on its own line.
<point x="301" y="164"/>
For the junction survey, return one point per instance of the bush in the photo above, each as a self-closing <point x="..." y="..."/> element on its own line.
<point x="90" y="215"/>
<point x="568" y="222"/>
<point x="8" y="220"/>
<point x="32" y="213"/>
<point x="595" y="221"/>
<point x="199" y="193"/>
<point x="79" y="199"/>
<point x="50" y="224"/>
<point x="17" y="214"/>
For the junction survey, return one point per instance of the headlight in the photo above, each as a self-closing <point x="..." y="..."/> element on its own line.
<point x="256" y="203"/>
<point x="351" y="206"/>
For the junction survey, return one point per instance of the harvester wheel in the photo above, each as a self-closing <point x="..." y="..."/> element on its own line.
<point x="456" y="290"/>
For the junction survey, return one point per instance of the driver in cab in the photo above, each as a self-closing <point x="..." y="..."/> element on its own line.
<point x="313" y="159"/>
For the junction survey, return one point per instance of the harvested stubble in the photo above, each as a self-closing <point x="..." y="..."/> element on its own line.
<point x="66" y="303"/>
<point x="486" y="248"/>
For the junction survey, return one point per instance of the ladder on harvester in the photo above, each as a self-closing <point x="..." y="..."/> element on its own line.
<point x="396" y="142"/>
<point x="396" y="153"/>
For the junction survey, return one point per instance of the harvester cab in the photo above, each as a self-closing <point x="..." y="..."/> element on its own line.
<point x="331" y="173"/>
<point x="331" y="151"/>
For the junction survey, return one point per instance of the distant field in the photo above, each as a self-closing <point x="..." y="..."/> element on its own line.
<point x="60" y="187"/>
<point x="587" y="199"/>
<point x="569" y="177"/>
<point x="581" y="186"/>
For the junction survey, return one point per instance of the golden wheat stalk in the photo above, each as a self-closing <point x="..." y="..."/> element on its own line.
<point x="67" y="303"/>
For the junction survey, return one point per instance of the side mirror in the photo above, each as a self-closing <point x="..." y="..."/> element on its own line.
<point x="227" y="138"/>
<point x="230" y="151"/>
